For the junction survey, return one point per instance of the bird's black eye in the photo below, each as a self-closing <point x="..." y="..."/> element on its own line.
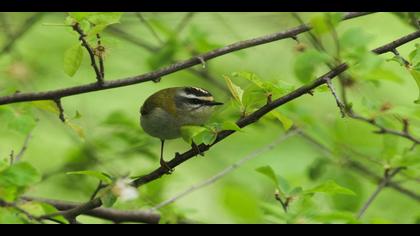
<point x="196" y="101"/>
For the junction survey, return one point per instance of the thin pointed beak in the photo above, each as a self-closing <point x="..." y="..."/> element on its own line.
<point x="213" y="103"/>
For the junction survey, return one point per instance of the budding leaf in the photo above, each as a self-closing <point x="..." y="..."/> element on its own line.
<point x="73" y="59"/>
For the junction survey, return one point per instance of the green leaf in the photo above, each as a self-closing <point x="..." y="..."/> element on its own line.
<point x="107" y="197"/>
<point x="207" y="137"/>
<point x="235" y="90"/>
<point x="416" y="75"/>
<point x="79" y="16"/>
<point x="21" y="174"/>
<point x="97" y="174"/>
<point x="189" y="131"/>
<point x="397" y="59"/>
<point x="414" y="56"/>
<point x="324" y="23"/>
<point x="268" y="172"/>
<point x="105" y="18"/>
<point x="20" y="120"/>
<point x="10" y="216"/>
<point x="164" y="56"/>
<point x="48" y="106"/>
<point x="73" y="59"/>
<point x="241" y="203"/>
<point x="317" y="168"/>
<point x="330" y="187"/>
<point x="76" y="128"/>
<point x="284" y="120"/>
<point x="306" y="64"/>
<point x="230" y="125"/>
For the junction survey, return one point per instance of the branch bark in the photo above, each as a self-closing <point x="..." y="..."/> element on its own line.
<point x="154" y="75"/>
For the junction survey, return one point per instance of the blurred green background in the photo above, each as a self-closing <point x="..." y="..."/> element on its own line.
<point x="113" y="142"/>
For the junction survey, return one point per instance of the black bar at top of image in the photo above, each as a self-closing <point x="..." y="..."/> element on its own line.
<point x="209" y="5"/>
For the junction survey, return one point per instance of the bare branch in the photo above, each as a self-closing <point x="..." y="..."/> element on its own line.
<point x="23" y="149"/>
<point x="151" y="76"/>
<point x="388" y="175"/>
<point x="113" y="215"/>
<point x="356" y="166"/>
<point x="60" y="109"/>
<point x="89" y="49"/>
<point x="25" y="28"/>
<point x="149" y="27"/>
<point x="339" y="103"/>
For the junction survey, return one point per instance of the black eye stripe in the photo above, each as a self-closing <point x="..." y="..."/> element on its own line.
<point x="196" y="101"/>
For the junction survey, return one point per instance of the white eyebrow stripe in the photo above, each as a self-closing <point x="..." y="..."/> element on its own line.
<point x="192" y="96"/>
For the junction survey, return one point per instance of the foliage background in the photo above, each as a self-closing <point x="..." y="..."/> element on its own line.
<point x="112" y="141"/>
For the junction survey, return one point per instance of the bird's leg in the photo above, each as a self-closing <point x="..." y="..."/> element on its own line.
<point x="194" y="146"/>
<point x="163" y="163"/>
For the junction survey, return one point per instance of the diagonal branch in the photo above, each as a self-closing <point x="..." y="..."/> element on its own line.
<point x="356" y="166"/>
<point x="255" y="116"/>
<point x="89" y="49"/>
<point x="117" y="216"/>
<point x="16" y="36"/>
<point x="152" y="76"/>
<point x="388" y="175"/>
<point x="225" y="171"/>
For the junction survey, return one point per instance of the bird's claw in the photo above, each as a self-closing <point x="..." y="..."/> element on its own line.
<point x="165" y="165"/>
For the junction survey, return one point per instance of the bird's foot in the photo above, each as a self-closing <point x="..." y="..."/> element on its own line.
<point x="165" y="166"/>
<point x="195" y="146"/>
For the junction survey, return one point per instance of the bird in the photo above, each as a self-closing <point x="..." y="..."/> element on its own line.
<point x="164" y="113"/>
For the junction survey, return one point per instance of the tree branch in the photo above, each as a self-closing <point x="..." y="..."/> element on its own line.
<point x="89" y="49"/>
<point x="225" y="171"/>
<point x="25" y="28"/>
<point x="24" y="147"/>
<point x="388" y="175"/>
<point x="117" y="216"/>
<point x="356" y="166"/>
<point x="151" y="76"/>
<point x="255" y="116"/>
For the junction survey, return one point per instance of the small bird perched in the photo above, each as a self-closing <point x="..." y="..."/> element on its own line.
<point x="166" y="111"/>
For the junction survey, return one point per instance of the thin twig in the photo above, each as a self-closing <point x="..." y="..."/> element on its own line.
<point x="149" y="27"/>
<point x="60" y="110"/>
<point x="98" y="188"/>
<point x="388" y="175"/>
<point x="151" y="76"/>
<point x="360" y="168"/>
<point x="24" y="147"/>
<point x="24" y="28"/>
<point x="100" y="55"/>
<point x="183" y="23"/>
<point x="337" y="100"/>
<point x="225" y="171"/>
<point x="89" y="49"/>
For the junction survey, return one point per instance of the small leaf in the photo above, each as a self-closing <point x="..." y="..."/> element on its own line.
<point x="73" y="59"/>
<point x="79" y="16"/>
<point x="324" y="23"/>
<point x="230" y="125"/>
<point x="189" y="131"/>
<point x="107" y="197"/>
<point x="284" y="120"/>
<point x="330" y="187"/>
<point x="207" y="137"/>
<point x="76" y="128"/>
<point x="416" y="75"/>
<point x="48" y="106"/>
<point x="105" y="18"/>
<point x="414" y="56"/>
<point x="235" y="90"/>
<point x="99" y="175"/>
<point x="398" y="60"/>
<point x="306" y="63"/>
<point x="21" y="174"/>
<point x="268" y="172"/>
